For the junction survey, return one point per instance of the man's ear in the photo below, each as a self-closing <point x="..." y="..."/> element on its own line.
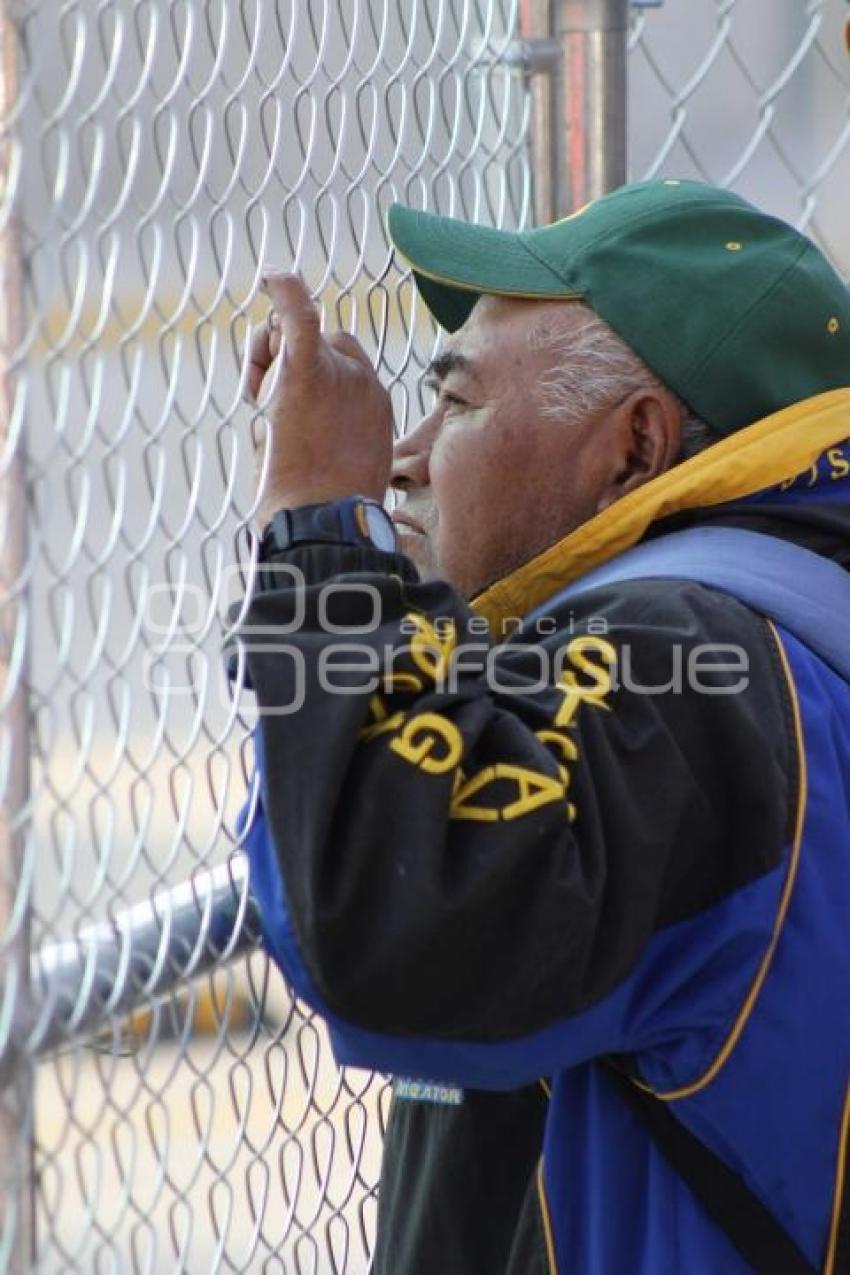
<point x="645" y="431"/>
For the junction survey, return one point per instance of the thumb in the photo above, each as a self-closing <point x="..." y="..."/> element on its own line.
<point x="299" y="319"/>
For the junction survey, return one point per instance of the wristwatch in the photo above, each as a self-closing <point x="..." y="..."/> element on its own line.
<point x="352" y="521"/>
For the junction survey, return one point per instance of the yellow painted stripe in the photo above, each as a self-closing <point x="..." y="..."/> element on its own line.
<point x="61" y="332"/>
<point x="211" y="1013"/>
<point x="740" y="1023"/>
<point x="547" y="1221"/>
<point x="764" y="454"/>
<point x="840" y="1171"/>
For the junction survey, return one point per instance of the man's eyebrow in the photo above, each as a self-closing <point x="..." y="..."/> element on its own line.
<point x="449" y="361"/>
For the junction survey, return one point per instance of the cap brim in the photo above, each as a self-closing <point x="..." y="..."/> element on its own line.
<point x="455" y="262"/>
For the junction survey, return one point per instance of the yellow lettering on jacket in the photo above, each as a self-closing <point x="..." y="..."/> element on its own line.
<point x="601" y="681"/>
<point x="562" y="744"/>
<point x="811" y="473"/>
<point x="382" y="721"/>
<point x="430" y="651"/>
<point x="532" y="789"/>
<point x="839" y="465"/>
<point x="420" y="739"/>
<point x="395" y="683"/>
<point x="567" y="750"/>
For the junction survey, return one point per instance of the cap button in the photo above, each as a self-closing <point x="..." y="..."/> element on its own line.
<point x="833" y="326"/>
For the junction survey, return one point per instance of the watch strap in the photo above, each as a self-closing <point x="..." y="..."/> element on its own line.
<point x="341" y="522"/>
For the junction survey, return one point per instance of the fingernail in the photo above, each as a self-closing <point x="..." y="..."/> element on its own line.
<point x="273" y="321"/>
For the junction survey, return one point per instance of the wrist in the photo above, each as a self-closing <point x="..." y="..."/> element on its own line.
<point x="296" y="499"/>
<point x="315" y="493"/>
<point x="354" y="520"/>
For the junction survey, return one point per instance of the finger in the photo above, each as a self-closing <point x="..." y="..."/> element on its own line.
<point x="299" y="318"/>
<point x="275" y="338"/>
<point x="260" y="359"/>
<point x="348" y="344"/>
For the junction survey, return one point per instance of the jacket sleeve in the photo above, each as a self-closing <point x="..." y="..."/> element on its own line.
<point x="473" y="858"/>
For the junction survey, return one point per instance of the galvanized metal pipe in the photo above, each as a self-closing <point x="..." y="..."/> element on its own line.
<point x="537" y="27"/>
<point x="592" y="100"/>
<point x="144" y="954"/>
<point x="578" y="100"/>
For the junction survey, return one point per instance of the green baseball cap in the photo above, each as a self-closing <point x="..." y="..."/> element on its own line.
<point x="735" y="311"/>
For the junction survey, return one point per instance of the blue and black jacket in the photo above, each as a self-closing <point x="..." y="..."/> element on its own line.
<point x="620" y="831"/>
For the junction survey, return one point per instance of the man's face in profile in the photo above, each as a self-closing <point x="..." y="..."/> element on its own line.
<point x="489" y="480"/>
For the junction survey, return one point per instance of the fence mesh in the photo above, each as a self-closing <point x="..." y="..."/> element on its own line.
<point x="155" y="153"/>
<point x="749" y="94"/>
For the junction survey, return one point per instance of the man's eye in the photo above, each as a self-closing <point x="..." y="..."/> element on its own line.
<point x="442" y="398"/>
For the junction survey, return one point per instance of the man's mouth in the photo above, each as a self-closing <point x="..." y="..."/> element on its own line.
<point x="406" y="527"/>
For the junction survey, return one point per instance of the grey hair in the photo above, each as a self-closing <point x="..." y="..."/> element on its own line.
<point x="596" y="369"/>
<point x="696" y="435"/>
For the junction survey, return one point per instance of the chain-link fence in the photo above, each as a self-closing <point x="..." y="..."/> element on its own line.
<point x="752" y="94"/>
<point x="154" y="154"/>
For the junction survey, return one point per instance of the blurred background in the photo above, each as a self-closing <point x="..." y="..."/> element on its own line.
<point x="154" y="154"/>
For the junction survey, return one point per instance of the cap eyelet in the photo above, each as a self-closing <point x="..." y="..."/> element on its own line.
<point x="734" y="246"/>
<point x="833" y="326"/>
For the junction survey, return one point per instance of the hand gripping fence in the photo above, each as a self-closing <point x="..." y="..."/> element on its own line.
<point x="166" y="1104"/>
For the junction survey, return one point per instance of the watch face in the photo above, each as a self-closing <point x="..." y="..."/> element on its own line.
<point x="380" y="525"/>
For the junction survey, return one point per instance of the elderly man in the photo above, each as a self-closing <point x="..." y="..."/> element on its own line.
<point x="554" y="829"/>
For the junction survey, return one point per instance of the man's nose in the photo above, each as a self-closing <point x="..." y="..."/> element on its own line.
<point x="411" y="455"/>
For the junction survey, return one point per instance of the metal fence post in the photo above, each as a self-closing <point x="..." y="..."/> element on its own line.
<point x="16" y="1176"/>
<point x="579" y="132"/>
